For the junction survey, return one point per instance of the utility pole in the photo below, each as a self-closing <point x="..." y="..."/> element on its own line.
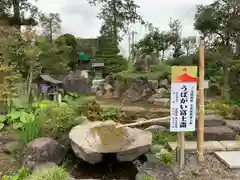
<point x="129" y="46"/>
<point x="200" y="128"/>
<point x="131" y="41"/>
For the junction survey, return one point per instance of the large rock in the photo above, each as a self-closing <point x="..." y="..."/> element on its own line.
<point x="158" y="171"/>
<point x="164" y="102"/>
<point x="139" y="90"/>
<point x="42" y="150"/>
<point x="233" y="124"/>
<point x="160" y="94"/>
<point x="90" y="141"/>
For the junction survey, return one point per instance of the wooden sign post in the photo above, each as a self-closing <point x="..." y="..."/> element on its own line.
<point x="200" y="130"/>
<point x="183" y="104"/>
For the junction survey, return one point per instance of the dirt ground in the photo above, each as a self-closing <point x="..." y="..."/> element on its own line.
<point x="8" y="164"/>
<point x="210" y="169"/>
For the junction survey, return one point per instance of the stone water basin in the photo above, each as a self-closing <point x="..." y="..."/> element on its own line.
<point x="92" y="140"/>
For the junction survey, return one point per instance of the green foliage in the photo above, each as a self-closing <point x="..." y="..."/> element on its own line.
<point x="92" y="110"/>
<point x="109" y="54"/>
<point x="51" y="23"/>
<point x="148" y="178"/>
<point x="57" y="118"/>
<point x="109" y="114"/>
<point x="55" y="173"/>
<point x="117" y="15"/>
<point x="163" y="137"/>
<point x="21" y="175"/>
<point x="166" y="158"/>
<point x="30" y="131"/>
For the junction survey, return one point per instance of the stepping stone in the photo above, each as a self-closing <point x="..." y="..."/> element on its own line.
<point x="233" y="124"/>
<point x="219" y="133"/>
<point x="230" y="158"/>
<point x="231" y="145"/>
<point x="209" y="146"/>
<point x="213" y="120"/>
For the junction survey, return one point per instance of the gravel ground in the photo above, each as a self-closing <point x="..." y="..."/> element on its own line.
<point x="210" y="169"/>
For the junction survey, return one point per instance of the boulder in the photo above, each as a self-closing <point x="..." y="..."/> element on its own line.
<point x="90" y="141"/>
<point x="139" y="90"/>
<point x="156" y="128"/>
<point x="233" y="124"/>
<point x="42" y="150"/>
<point x="160" y="94"/>
<point x="164" y="83"/>
<point x="164" y="102"/>
<point x="158" y="171"/>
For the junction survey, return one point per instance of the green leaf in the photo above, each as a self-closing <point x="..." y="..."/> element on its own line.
<point x="14" y="115"/>
<point x="2" y="119"/>
<point x="24" y="118"/>
<point x="17" y="125"/>
<point x="1" y="126"/>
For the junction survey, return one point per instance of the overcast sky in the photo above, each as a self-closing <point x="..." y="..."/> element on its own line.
<point x="80" y="19"/>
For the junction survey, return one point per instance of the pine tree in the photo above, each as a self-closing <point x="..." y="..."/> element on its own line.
<point x="108" y="52"/>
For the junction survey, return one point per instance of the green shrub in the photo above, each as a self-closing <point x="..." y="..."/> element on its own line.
<point x="57" y="118"/>
<point x="30" y="131"/>
<point x="21" y="175"/>
<point x="163" y="137"/>
<point x="166" y="158"/>
<point x="92" y="110"/>
<point x="56" y="173"/>
<point x="109" y="114"/>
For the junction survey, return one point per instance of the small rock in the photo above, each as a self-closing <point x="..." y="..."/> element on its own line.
<point x="43" y="166"/>
<point x="9" y="147"/>
<point x="156" y="148"/>
<point x="151" y="158"/>
<point x="162" y="151"/>
<point x="201" y="172"/>
<point x="156" y="128"/>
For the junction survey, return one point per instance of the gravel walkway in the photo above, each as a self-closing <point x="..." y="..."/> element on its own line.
<point x="210" y="169"/>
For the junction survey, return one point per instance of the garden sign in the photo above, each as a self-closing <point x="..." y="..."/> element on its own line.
<point x="183" y="98"/>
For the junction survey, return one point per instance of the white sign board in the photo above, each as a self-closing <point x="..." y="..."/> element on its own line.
<point x="206" y="84"/>
<point x="183" y="100"/>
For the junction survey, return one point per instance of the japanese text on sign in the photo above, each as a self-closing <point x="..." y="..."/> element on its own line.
<point x="183" y="99"/>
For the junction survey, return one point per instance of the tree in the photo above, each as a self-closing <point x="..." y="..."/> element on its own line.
<point x="189" y="44"/>
<point x="219" y="24"/>
<point x="175" y="30"/>
<point x="14" y="11"/>
<point x="117" y="15"/>
<point x="155" y="42"/>
<point x="67" y="44"/>
<point x="108" y="52"/>
<point x="51" y="23"/>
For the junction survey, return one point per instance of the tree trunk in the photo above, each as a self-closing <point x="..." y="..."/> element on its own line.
<point x="163" y="54"/>
<point x="29" y="83"/>
<point x="115" y="33"/>
<point x="50" y="31"/>
<point x="16" y="11"/>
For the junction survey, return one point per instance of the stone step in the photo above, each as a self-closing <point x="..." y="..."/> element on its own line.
<point x="219" y="133"/>
<point x="209" y="146"/>
<point x="231" y="158"/>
